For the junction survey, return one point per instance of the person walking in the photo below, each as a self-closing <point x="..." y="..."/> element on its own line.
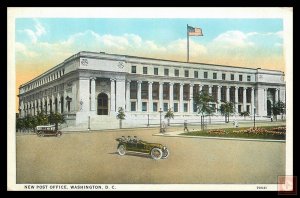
<point x="185" y="126"/>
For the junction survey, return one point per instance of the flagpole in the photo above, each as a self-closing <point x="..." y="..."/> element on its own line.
<point x="188" y="42"/>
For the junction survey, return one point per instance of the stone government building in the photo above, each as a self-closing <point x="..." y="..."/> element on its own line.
<point x="89" y="87"/>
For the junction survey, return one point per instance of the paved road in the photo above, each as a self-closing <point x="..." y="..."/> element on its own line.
<point x="90" y="157"/>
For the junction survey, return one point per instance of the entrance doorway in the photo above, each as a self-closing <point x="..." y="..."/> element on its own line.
<point x="269" y="107"/>
<point x="102" y="101"/>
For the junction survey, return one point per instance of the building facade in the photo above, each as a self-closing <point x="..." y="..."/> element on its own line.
<point x="89" y="88"/>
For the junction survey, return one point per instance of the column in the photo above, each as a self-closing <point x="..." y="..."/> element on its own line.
<point x="150" y="106"/>
<point x="65" y="96"/>
<point x="219" y="98"/>
<point x="120" y="89"/>
<point x="282" y="95"/>
<point x="260" y="101"/>
<point x="58" y="102"/>
<point x="93" y="94"/>
<point x="161" y="95"/>
<point x="171" y="95"/>
<point x="244" y="99"/>
<point x="265" y="98"/>
<point x="191" y="98"/>
<point x="128" y="95"/>
<point x="74" y="98"/>
<point x="210" y="89"/>
<point x="227" y="93"/>
<point x="200" y="88"/>
<point x="181" y="98"/>
<point x="139" y="96"/>
<point x="112" y="95"/>
<point x="53" y="103"/>
<point x="83" y="97"/>
<point x="48" y="105"/>
<point x="252" y="100"/>
<point x="35" y="107"/>
<point x="236" y="100"/>
<point x="276" y="95"/>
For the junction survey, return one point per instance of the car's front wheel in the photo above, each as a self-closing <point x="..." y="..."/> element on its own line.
<point x="165" y="154"/>
<point x="156" y="153"/>
<point x="121" y="150"/>
<point x="58" y="134"/>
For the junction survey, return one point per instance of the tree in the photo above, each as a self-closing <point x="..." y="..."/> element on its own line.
<point x="169" y="115"/>
<point x="121" y="115"/>
<point x="227" y="109"/>
<point x="56" y="118"/>
<point x="278" y="108"/>
<point x="203" y="101"/>
<point x="20" y="124"/>
<point x="244" y="113"/>
<point x="42" y="119"/>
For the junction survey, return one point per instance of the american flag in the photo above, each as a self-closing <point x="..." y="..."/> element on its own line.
<point x="194" y="31"/>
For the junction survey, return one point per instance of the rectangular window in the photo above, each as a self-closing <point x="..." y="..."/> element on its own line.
<point x="214" y="75"/>
<point x="154" y="106"/>
<point x="166" y="72"/>
<point x="133" y="106"/>
<point x="240" y="77"/>
<point x="145" y="70"/>
<point x="155" y="71"/>
<point x="176" y="72"/>
<point x="133" y="69"/>
<point x="186" y="73"/>
<point x="185" y="107"/>
<point x="205" y="74"/>
<point x="223" y="76"/>
<point x="165" y="107"/>
<point x="175" y="107"/>
<point x="232" y="76"/>
<point x="239" y="108"/>
<point x="144" y="106"/>
<point x="248" y="78"/>
<point x="195" y="74"/>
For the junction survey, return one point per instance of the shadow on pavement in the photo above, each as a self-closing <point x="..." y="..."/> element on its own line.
<point x="134" y="154"/>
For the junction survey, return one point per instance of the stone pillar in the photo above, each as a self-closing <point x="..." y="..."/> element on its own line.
<point x="252" y="100"/>
<point x="276" y="95"/>
<point x="112" y="96"/>
<point x="150" y="106"/>
<point x="219" y="95"/>
<point x="171" y="95"/>
<point x="191" y="98"/>
<point x="282" y="95"/>
<point x="128" y="95"/>
<point x="84" y="89"/>
<point x="139" y="96"/>
<point x="236" y="99"/>
<point x="48" y="105"/>
<point x="58" y="102"/>
<point x="53" y="103"/>
<point x="210" y="89"/>
<point x="74" y="104"/>
<point x="227" y="93"/>
<point x="181" y="98"/>
<point x="161" y="99"/>
<point x="200" y="88"/>
<point x="65" y="94"/>
<point x="120" y="90"/>
<point x="265" y="99"/>
<point x="260" y="101"/>
<point x="35" y="107"/>
<point x="93" y="94"/>
<point x="244" y="99"/>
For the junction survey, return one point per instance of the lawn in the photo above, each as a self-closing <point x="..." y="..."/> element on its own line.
<point x="264" y="132"/>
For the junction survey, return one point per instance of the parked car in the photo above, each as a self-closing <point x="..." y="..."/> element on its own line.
<point x="155" y="150"/>
<point x="47" y="130"/>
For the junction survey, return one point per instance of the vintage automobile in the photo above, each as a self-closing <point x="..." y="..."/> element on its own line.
<point x="47" y="130"/>
<point x="155" y="150"/>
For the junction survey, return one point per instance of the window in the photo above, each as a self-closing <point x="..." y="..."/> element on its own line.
<point x="175" y="107"/>
<point x="144" y="106"/>
<point x="133" y="106"/>
<point x="155" y="71"/>
<point x="176" y="72"/>
<point x="214" y="75"/>
<point x="145" y="70"/>
<point x="185" y="107"/>
<point x="240" y="77"/>
<point x="223" y="76"/>
<point x="133" y="69"/>
<point x="232" y="76"/>
<point x="154" y="106"/>
<point x="166" y="72"/>
<point x="165" y="106"/>
<point x="186" y="73"/>
<point x="205" y="74"/>
<point x="248" y="78"/>
<point x="195" y="74"/>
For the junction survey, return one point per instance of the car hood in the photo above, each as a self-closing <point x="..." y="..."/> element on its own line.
<point x="154" y="144"/>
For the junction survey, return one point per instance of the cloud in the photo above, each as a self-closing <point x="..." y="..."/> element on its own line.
<point x="22" y="49"/>
<point x="234" y="38"/>
<point x="38" y="31"/>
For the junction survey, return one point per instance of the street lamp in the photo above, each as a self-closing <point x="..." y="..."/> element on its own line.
<point x="160" y="129"/>
<point x="254" y="116"/>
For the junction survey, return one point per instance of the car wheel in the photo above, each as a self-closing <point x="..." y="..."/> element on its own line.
<point x="58" y="134"/>
<point x="121" y="150"/>
<point x="165" y="154"/>
<point x="156" y="153"/>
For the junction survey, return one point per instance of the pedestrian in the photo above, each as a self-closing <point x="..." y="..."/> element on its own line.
<point x="271" y="118"/>
<point x="163" y="127"/>
<point x="185" y="126"/>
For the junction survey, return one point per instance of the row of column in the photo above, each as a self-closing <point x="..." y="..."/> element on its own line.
<point x="191" y="102"/>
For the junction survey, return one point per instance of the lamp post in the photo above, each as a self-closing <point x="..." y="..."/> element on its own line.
<point x="160" y="129"/>
<point x="254" y="116"/>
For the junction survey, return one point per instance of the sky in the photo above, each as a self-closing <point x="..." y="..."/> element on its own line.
<point x="42" y="43"/>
